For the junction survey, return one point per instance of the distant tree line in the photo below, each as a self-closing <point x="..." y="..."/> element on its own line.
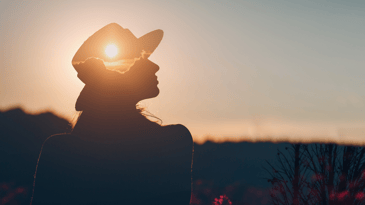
<point x="326" y="174"/>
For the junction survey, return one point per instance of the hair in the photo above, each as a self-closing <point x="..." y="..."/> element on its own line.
<point x="74" y="120"/>
<point x="143" y="111"/>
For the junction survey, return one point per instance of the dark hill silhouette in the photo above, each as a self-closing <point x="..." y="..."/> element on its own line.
<point x="227" y="163"/>
<point x="21" y="137"/>
<point x="234" y="169"/>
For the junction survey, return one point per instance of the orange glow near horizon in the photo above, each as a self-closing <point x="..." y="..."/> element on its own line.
<point x="111" y="50"/>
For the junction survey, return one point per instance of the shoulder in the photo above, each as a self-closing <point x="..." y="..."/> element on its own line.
<point x="55" y="145"/>
<point x="54" y="175"/>
<point x="58" y="140"/>
<point x="180" y="132"/>
<point x="58" y="137"/>
<point x="178" y="128"/>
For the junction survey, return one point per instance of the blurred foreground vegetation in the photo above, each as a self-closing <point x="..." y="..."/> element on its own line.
<point x="227" y="173"/>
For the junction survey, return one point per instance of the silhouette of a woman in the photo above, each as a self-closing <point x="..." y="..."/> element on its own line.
<point x="115" y="155"/>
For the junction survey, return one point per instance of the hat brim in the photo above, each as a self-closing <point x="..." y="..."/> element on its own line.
<point x="151" y="40"/>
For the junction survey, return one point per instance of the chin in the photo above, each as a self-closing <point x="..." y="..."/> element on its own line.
<point x="152" y="93"/>
<point x="156" y="92"/>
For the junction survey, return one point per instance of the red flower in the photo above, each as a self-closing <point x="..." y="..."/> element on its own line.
<point x="223" y="200"/>
<point x="341" y="196"/>
<point x="360" y="195"/>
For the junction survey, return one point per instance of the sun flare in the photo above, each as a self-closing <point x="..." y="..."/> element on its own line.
<point x="111" y="50"/>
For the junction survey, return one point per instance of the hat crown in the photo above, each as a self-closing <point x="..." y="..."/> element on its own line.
<point x="112" y="33"/>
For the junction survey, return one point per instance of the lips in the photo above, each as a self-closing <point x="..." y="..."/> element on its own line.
<point x="154" y="82"/>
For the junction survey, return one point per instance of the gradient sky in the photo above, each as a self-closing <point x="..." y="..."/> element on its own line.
<point x="232" y="70"/>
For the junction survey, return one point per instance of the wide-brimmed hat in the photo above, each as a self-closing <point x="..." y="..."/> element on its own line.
<point x="128" y="48"/>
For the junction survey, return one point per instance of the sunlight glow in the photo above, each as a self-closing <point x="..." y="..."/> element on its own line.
<point x="111" y="50"/>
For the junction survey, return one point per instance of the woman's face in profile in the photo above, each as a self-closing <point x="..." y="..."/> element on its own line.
<point x="142" y="79"/>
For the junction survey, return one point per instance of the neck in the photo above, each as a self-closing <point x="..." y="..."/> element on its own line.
<point x="110" y="125"/>
<point x="112" y="113"/>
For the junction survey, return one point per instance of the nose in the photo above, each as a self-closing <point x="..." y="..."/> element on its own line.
<point x="153" y="66"/>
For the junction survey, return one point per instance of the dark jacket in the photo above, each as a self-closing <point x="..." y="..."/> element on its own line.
<point x="154" y="168"/>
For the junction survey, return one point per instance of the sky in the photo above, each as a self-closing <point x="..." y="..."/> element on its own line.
<point x="229" y="70"/>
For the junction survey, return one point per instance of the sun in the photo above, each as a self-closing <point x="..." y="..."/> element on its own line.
<point x="111" y="50"/>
